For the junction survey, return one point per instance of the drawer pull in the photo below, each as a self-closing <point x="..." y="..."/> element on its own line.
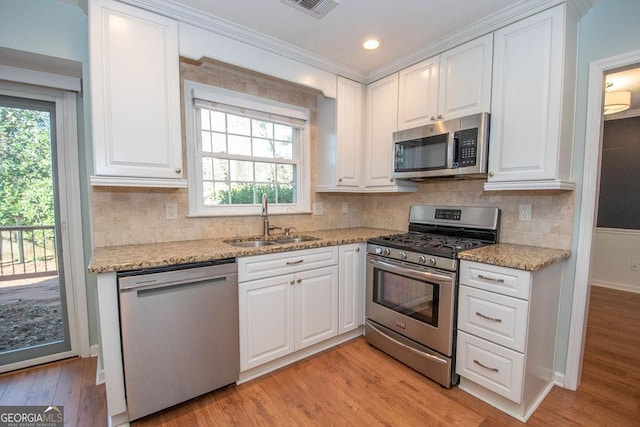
<point x="493" y="319"/>
<point x="491" y="279"/>
<point x="300" y="261"/>
<point x="485" y="367"/>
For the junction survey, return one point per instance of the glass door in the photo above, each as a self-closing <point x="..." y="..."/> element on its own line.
<point x="33" y="308"/>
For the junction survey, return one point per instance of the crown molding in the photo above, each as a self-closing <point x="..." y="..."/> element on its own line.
<point x="518" y="11"/>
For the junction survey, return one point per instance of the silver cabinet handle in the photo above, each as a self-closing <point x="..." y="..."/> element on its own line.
<point x="339" y="179"/>
<point x="300" y="261"/>
<point x="491" y="174"/>
<point x="493" y="319"/>
<point x="439" y="116"/>
<point x="433" y="118"/>
<point x="298" y="280"/>
<point x="291" y="282"/>
<point x="178" y="170"/>
<point x="357" y="249"/>
<point x="491" y="279"/>
<point x="485" y="367"/>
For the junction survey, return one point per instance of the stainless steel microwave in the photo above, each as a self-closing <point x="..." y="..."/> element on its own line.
<point x="451" y="148"/>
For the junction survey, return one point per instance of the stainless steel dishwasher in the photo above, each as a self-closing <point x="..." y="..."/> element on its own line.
<point x="179" y="329"/>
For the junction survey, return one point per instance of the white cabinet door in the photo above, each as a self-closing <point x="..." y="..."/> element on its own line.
<point x="135" y="93"/>
<point x="266" y="309"/>
<point x="349" y="134"/>
<point x="530" y="117"/>
<point x="418" y="94"/>
<point x="351" y="284"/>
<point x="316" y="306"/>
<point x="465" y="79"/>
<point x="382" y="121"/>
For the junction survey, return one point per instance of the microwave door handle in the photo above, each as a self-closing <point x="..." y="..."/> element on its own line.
<point x="456" y="149"/>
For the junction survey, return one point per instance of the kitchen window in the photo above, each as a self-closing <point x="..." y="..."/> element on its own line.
<point x="240" y="147"/>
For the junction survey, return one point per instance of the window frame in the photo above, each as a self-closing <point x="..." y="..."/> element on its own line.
<point x="197" y="208"/>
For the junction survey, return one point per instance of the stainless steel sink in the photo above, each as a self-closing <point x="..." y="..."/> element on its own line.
<point x="251" y="243"/>
<point x="297" y="239"/>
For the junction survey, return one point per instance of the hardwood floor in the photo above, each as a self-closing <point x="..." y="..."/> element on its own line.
<point x="69" y="383"/>
<point x="355" y="384"/>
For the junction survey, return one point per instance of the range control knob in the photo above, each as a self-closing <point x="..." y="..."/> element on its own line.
<point x="422" y="259"/>
<point x="378" y="251"/>
<point x="387" y="252"/>
<point x="403" y="255"/>
<point x="431" y="261"/>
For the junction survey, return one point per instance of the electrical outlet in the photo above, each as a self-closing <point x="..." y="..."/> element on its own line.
<point x="524" y="212"/>
<point x="171" y="211"/>
<point x="318" y="208"/>
<point x="345" y="207"/>
<point x="635" y="265"/>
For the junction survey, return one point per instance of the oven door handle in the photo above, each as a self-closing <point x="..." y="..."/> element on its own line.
<point x="411" y="349"/>
<point x="422" y="275"/>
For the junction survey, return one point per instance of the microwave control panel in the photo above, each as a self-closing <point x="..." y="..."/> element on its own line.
<point x="467" y="147"/>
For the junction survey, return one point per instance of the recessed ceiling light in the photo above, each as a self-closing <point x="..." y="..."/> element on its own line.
<point x="371" y="44"/>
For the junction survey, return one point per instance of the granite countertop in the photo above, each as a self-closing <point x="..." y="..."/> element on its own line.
<point x="133" y="257"/>
<point x="528" y="258"/>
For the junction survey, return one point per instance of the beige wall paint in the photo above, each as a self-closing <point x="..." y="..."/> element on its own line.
<point x="125" y="216"/>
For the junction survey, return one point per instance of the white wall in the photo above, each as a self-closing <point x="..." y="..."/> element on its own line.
<point x="613" y="252"/>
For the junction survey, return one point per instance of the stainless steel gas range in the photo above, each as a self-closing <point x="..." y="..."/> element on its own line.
<point x="412" y="285"/>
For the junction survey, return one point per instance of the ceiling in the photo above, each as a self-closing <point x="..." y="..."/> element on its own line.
<point x="405" y="27"/>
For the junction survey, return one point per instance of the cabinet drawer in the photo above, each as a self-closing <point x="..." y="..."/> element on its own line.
<point x="498" y="318"/>
<point x="262" y="266"/>
<point x="492" y="366"/>
<point x="493" y="278"/>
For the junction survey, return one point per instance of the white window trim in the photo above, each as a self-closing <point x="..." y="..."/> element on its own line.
<point x="194" y="174"/>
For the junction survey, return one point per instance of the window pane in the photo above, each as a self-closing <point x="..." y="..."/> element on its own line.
<point x="268" y="189"/>
<point x="262" y="129"/>
<point x="286" y="174"/>
<point x="218" y="121"/>
<point x="283" y="133"/>
<point x="241" y="171"/>
<point x="206" y="141"/>
<point x="238" y="125"/>
<point x="284" y="150"/>
<point x="208" y="194"/>
<point x="221" y="169"/>
<point x="285" y="193"/>
<point x="207" y="168"/>
<point x="218" y="142"/>
<point x="240" y="145"/>
<point x="262" y="147"/>
<point x="242" y="193"/>
<point x="204" y="119"/>
<point x="221" y="193"/>
<point x="265" y="172"/>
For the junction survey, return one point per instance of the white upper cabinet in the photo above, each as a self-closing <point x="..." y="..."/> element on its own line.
<point x="532" y="105"/>
<point x="340" y="153"/>
<point x="382" y="121"/>
<point x="453" y="84"/>
<point x="134" y="69"/>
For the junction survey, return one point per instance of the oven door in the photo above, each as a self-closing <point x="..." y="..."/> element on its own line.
<point x="413" y="300"/>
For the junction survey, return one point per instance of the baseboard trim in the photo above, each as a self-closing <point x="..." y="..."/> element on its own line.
<point x="94" y="350"/>
<point x="617" y="286"/>
<point x="558" y="379"/>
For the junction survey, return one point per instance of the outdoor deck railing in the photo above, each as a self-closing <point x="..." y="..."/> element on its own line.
<point x="27" y="251"/>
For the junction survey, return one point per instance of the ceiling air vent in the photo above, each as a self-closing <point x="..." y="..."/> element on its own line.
<point x="315" y="8"/>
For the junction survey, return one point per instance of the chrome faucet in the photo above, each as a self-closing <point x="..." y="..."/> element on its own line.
<point x="265" y="217"/>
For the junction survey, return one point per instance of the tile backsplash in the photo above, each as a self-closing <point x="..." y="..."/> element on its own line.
<point x="134" y="216"/>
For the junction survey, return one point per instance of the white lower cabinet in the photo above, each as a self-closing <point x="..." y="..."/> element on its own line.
<point x="293" y="301"/>
<point x="352" y="280"/>
<point x="507" y="322"/>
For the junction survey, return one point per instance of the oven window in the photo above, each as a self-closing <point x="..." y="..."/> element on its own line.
<point x="407" y="296"/>
<point x="421" y="154"/>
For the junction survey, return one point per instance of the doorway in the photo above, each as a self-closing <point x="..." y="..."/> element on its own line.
<point x="588" y="208"/>
<point x="37" y="296"/>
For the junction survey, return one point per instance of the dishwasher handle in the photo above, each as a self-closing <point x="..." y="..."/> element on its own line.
<point x="165" y="288"/>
